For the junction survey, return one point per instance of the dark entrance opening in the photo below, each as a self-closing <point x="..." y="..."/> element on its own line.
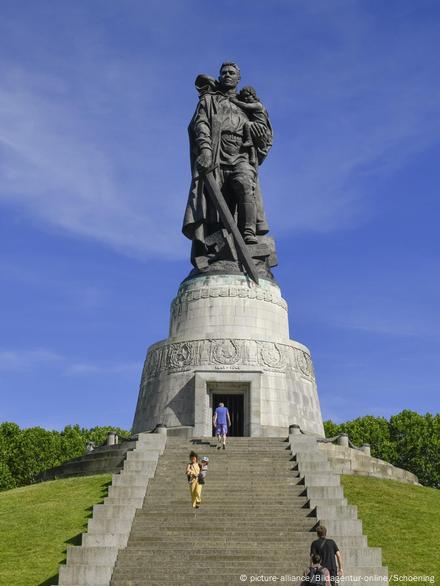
<point x="235" y="404"/>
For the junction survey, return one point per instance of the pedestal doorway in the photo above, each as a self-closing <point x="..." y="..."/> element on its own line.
<point x="235" y="404"/>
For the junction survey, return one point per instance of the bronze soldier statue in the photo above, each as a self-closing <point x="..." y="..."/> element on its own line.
<point x="230" y="135"/>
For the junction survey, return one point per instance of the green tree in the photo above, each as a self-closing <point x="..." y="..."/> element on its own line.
<point x="374" y="431"/>
<point x="6" y="479"/>
<point x="99" y="434"/>
<point x="34" y="450"/>
<point x="331" y="429"/>
<point x="366" y="430"/>
<point x="25" y="453"/>
<point x="73" y="442"/>
<point x="9" y="432"/>
<point x="417" y="440"/>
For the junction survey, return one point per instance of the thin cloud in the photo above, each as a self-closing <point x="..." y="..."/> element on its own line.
<point x="36" y="358"/>
<point x="17" y="360"/>
<point x="92" y="368"/>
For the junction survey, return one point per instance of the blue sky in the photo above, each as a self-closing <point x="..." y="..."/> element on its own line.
<point x="95" y="101"/>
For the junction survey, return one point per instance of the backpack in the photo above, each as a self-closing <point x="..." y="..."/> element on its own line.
<point x="316" y="576"/>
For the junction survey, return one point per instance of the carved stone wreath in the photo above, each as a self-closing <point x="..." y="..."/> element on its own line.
<point x="153" y="365"/>
<point x="304" y="363"/>
<point x="271" y="355"/>
<point x="180" y="355"/>
<point x="226" y="352"/>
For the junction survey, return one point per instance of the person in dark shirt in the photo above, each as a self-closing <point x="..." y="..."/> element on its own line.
<point x="328" y="552"/>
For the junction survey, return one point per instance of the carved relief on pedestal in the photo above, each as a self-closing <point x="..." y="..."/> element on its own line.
<point x="304" y="363"/>
<point x="271" y="355"/>
<point x="224" y="352"/>
<point x="152" y="364"/>
<point x="191" y="295"/>
<point x="180" y="355"/>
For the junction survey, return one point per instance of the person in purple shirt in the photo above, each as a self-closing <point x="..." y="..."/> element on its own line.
<point x="221" y="421"/>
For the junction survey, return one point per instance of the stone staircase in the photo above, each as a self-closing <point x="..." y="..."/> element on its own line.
<point x="326" y="499"/>
<point x="253" y="518"/>
<point x="261" y="502"/>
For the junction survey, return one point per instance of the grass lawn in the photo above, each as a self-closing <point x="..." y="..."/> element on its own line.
<point x="37" y="522"/>
<point x="402" y="519"/>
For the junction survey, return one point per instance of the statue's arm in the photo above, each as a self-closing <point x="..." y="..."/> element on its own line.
<point x="263" y="141"/>
<point x="202" y="127"/>
<point x="202" y="135"/>
<point x="246" y="106"/>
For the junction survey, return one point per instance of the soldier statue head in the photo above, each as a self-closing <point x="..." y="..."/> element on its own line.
<point x="229" y="75"/>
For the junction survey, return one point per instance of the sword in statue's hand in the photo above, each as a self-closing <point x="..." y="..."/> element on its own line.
<point x="229" y="223"/>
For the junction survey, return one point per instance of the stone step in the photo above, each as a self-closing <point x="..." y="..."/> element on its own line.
<point x="324" y="491"/>
<point x="314" y="456"/>
<point x="295" y="567"/>
<point x="168" y="541"/>
<point x="314" y="502"/>
<point x="282" y="466"/>
<point x="233" y="483"/>
<point x="104" y="526"/>
<point x="336" y="512"/>
<point x="172" y="540"/>
<point x="231" y="452"/>
<point x="342" y="526"/>
<point x="144" y="455"/>
<point x="320" y="479"/>
<point x="202" y="553"/>
<point x="206" y="519"/>
<point x="231" y="559"/>
<point x="104" y="540"/>
<point x="138" y="465"/>
<point x="238" y="473"/>
<point x="307" y="467"/>
<point x="232" y="445"/>
<point x="209" y="532"/>
<point x="134" y="502"/>
<point x="126" y="491"/>
<point x="223" y="458"/>
<point x="85" y="574"/>
<point x="91" y="555"/>
<point x="207" y="528"/>
<point x="220" y="515"/>
<point x="218" y="493"/>
<point x="105" y="511"/>
<point x="237" y="508"/>
<point x="132" y="479"/>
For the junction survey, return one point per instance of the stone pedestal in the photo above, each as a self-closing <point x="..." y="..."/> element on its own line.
<point x="229" y="335"/>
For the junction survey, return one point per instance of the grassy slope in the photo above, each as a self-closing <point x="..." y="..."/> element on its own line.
<point x="37" y="522"/>
<point x="402" y="519"/>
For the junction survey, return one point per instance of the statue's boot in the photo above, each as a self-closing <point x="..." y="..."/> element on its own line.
<point x="247" y="213"/>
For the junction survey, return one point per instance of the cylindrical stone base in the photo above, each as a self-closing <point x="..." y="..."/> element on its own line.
<point x="229" y="336"/>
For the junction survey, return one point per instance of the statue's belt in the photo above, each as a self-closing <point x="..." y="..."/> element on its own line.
<point x="232" y="137"/>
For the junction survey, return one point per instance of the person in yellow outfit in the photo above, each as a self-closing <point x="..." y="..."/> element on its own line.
<point x="192" y="474"/>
